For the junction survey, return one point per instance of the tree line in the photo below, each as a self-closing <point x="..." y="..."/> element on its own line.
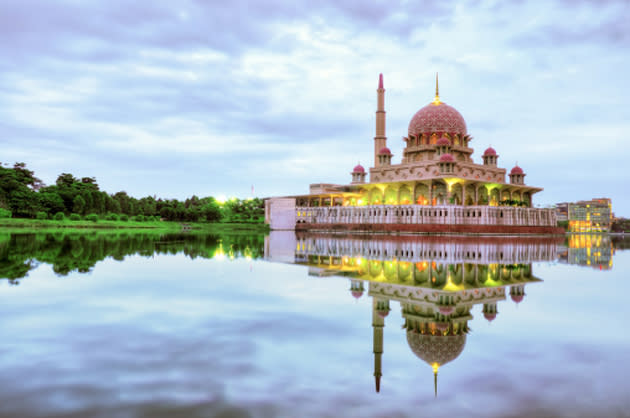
<point x="22" y="195"/>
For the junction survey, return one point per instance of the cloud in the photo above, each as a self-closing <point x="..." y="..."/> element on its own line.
<point x="223" y="91"/>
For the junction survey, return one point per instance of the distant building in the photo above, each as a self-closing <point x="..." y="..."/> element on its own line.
<point x="593" y="215"/>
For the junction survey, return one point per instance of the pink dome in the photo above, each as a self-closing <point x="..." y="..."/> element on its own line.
<point x="489" y="151"/>
<point x="516" y="170"/>
<point x="447" y="158"/>
<point x="383" y="314"/>
<point x="490" y="316"/>
<point x="517" y="298"/>
<point x="385" y="150"/>
<point x="358" y="169"/>
<point x="357" y="293"/>
<point x="437" y="118"/>
<point x="443" y="141"/>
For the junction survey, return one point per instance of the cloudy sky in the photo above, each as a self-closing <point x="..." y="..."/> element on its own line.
<point x="175" y="98"/>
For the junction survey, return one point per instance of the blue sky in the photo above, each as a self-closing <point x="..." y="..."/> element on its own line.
<point x="209" y="98"/>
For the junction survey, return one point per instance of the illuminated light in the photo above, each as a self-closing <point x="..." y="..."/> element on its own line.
<point x="435" y="367"/>
<point x="220" y="199"/>
<point x="219" y="254"/>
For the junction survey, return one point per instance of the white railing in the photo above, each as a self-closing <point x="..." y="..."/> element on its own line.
<point x="418" y="214"/>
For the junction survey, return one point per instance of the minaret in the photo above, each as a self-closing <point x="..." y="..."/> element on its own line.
<point x="380" y="140"/>
<point x="378" y="322"/>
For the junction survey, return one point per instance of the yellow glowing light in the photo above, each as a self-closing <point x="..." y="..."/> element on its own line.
<point x="435" y="367"/>
<point x="219" y="254"/>
<point x="221" y="199"/>
<point x="450" y="181"/>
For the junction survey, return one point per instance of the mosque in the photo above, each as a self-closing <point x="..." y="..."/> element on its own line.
<point x="436" y="187"/>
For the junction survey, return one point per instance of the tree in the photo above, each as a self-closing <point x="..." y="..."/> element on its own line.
<point x="78" y="205"/>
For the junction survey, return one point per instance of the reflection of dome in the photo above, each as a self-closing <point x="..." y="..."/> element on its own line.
<point x="516" y="170"/>
<point x="357" y="293"/>
<point x="358" y="169"/>
<point x="438" y="349"/>
<point x="443" y="141"/>
<point x="385" y="150"/>
<point x="517" y="298"/>
<point x="447" y="158"/>
<point x="489" y="151"/>
<point x="383" y="314"/>
<point x="437" y="118"/>
<point x="490" y="316"/>
<point x="446" y="310"/>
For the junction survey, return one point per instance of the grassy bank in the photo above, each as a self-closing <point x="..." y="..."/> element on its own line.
<point x="18" y="223"/>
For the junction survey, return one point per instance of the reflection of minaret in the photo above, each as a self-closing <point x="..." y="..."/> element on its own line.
<point x="380" y="309"/>
<point x="380" y="140"/>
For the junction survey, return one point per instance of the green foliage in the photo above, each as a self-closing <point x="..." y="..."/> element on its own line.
<point x="41" y="215"/>
<point x="620" y="225"/>
<point x="564" y="224"/>
<point x="5" y="213"/>
<point x="111" y="217"/>
<point x="78" y="204"/>
<point x="59" y="216"/>
<point x="92" y="217"/>
<point x="75" y="217"/>
<point x="139" y="218"/>
<point x="22" y="194"/>
<point x="124" y="217"/>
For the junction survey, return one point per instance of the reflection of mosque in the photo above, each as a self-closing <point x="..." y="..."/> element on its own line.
<point x="436" y="280"/>
<point x="594" y="250"/>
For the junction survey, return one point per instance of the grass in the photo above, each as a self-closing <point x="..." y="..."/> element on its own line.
<point x="18" y="223"/>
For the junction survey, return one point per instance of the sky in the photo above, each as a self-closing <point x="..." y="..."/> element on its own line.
<point x="210" y="98"/>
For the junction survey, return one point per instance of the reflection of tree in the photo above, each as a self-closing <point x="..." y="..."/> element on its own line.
<point x="80" y="251"/>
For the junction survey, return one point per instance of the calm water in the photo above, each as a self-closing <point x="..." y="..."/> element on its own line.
<point x="116" y="325"/>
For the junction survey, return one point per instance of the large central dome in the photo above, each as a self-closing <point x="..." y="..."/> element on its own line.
<point x="437" y="117"/>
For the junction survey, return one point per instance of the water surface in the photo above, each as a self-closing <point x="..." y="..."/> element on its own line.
<point x="145" y="324"/>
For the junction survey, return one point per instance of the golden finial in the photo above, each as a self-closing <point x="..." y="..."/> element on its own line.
<point x="436" y="100"/>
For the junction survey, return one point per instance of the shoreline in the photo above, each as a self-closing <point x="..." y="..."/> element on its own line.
<point x="19" y="224"/>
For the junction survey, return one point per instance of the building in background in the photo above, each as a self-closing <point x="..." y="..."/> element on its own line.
<point x="593" y="215"/>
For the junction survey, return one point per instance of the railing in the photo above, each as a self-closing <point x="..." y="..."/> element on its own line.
<point x="418" y="214"/>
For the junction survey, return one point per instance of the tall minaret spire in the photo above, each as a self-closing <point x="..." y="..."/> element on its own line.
<point x="436" y="100"/>
<point x="380" y="140"/>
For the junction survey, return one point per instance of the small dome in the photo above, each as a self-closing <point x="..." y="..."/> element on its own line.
<point x="357" y="293"/>
<point x="517" y="298"/>
<point x="490" y="316"/>
<point x="382" y="314"/>
<point x="443" y="141"/>
<point x="516" y="170"/>
<point x="489" y="151"/>
<point x="358" y="169"/>
<point x="447" y="158"/>
<point x="385" y="150"/>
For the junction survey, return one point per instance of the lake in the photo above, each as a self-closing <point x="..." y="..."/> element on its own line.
<point x="144" y="324"/>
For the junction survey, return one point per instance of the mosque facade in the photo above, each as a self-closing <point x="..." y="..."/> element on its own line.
<point x="436" y="186"/>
